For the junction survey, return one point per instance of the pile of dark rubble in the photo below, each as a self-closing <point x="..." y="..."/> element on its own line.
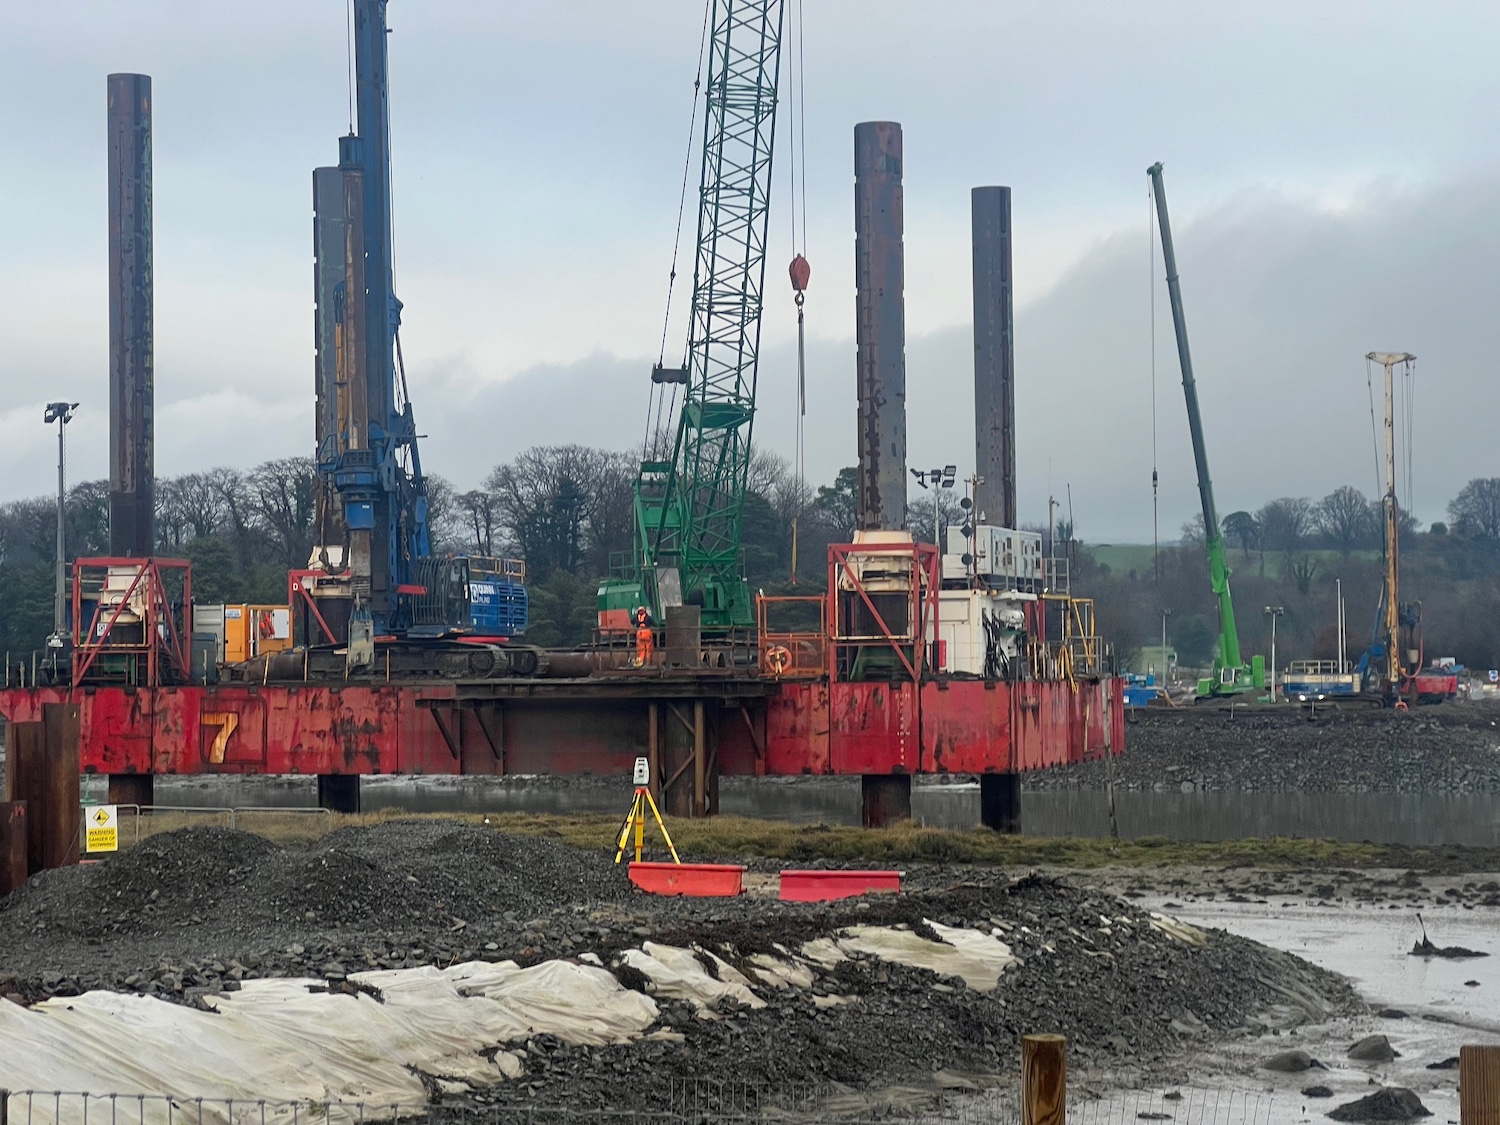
<point x="198" y="911"/>
<point x="1450" y="748"/>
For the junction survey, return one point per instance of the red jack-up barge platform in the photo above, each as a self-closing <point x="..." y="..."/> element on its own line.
<point x="879" y="688"/>
<point x="975" y="660"/>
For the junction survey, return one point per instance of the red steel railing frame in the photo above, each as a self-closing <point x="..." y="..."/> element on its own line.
<point x="296" y="590"/>
<point x="926" y="581"/>
<point x="796" y="644"/>
<point x="89" y="644"/>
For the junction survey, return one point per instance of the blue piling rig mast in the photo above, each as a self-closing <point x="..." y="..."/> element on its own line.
<point x="372" y="495"/>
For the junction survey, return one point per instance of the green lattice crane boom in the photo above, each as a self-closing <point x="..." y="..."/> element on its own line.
<point x="688" y="510"/>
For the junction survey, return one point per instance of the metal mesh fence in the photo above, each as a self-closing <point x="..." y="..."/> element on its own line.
<point x="680" y="1102"/>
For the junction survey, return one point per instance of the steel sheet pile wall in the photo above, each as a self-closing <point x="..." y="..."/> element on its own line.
<point x="131" y="354"/>
<point x="880" y="279"/>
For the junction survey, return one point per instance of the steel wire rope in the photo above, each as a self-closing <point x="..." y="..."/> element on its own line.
<point x="651" y="439"/>
<point x="797" y="152"/>
<point x="1380" y="486"/>
<point x="1408" y="406"/>
<point x="349" y="55"/>
<point x="802" y="112"/>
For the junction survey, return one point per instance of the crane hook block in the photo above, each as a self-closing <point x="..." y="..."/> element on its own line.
<point x="800" y="272"/>
<point x="660" y="374"/>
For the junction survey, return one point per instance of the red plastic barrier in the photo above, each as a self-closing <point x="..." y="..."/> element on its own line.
<point x="696" y="880"/>
<point x="820" y="886"/>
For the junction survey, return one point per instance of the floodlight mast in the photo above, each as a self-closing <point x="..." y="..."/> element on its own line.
<point x="62" y="414"/>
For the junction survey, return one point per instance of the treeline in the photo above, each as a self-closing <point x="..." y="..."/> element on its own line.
<point x="1294" y="554"/>
<point x="568" y="511"/>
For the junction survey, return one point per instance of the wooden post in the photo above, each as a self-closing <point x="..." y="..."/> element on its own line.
<point x="1044" y="1079"/>
<point x="1479" y="1085"/>
<point x="64" y="817"/>
<point x="653" y="747"/>
<point x="13" y="838"/>
<point x="700" y="761"/>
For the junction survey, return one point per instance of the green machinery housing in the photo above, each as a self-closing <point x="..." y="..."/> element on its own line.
<point x="689" y="508"/>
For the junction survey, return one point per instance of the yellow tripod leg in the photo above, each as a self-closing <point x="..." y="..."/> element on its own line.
<point x="657" y="813"/>
<point x="625" y="830"/>
<point x="640" y="827"/>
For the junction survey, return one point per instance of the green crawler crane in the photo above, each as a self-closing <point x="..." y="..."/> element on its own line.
<point x="689" y="508"/>
<point x="1231" y="675"/>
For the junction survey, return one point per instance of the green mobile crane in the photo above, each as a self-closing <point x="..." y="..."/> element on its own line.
<point x="688" y="509"/>
<point x="1231" y="675"/>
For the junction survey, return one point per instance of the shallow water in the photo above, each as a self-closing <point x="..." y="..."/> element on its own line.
<point x="1370" y="945"/>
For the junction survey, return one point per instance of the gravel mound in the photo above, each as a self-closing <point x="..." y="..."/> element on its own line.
<point x="177" y="876"/>
<point x="1450" y="748"/>
<point x="425" y="873"/>
<point x="240" y="891"/>
<point x="405" y="894"/>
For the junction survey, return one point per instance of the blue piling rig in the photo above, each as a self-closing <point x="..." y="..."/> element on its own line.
<point x="372" y="494"/>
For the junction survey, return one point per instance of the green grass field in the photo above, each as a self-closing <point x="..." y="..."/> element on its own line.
<point x="740" y="838"/>
<point x="1125" y="557"/>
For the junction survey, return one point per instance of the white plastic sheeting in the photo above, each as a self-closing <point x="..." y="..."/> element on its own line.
<point x="977" y="958"/>
<point x="680" y="975"/>
<point x="275" y="1040"/>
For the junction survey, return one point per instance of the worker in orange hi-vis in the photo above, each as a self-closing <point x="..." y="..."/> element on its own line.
<point x="645" y="638"/>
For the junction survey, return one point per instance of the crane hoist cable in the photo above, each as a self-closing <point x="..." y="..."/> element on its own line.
<point x="799" y="270"/>
<point x="655" y="401"/>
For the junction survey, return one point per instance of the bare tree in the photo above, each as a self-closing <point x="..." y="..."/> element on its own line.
<point x="446" y="522"/>
<point x="231" y="489"/>
<point x="547" y="501"/>
<point x="1476" y="509"/>
<point x="1193" y="534"/>
<point x="200" y="504"/>
<point x="88" y="519"/>
<point x="1241" y="526"/>
<point x="1285" y="523"/>
<point x="170" y="525"/>
<point x="481" y="515"/>
<point x="282" y="497"/>
<point x="1344" y="516"/>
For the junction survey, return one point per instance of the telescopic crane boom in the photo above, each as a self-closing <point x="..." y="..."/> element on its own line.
<point x="1231" y="675"/>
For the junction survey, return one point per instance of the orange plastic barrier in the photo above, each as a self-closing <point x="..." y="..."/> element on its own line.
<point x="820" y="886"/>
<point x="696" y="880"/>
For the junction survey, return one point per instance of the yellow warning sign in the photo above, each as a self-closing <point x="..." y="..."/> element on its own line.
<point x="102" y="829"/>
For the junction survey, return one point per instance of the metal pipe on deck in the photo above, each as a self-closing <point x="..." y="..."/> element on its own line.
<point x="879" y="278"/>
<point x="994" y="358"/>
<point x="131" y="351"/>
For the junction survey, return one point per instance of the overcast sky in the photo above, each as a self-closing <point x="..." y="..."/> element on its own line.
<point x="1332" y="170"/>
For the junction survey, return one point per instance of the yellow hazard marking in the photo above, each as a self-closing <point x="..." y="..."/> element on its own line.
<point x="102" y="833"/>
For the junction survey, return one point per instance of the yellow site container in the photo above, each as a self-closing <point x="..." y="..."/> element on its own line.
<point x="250" y="630"/>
